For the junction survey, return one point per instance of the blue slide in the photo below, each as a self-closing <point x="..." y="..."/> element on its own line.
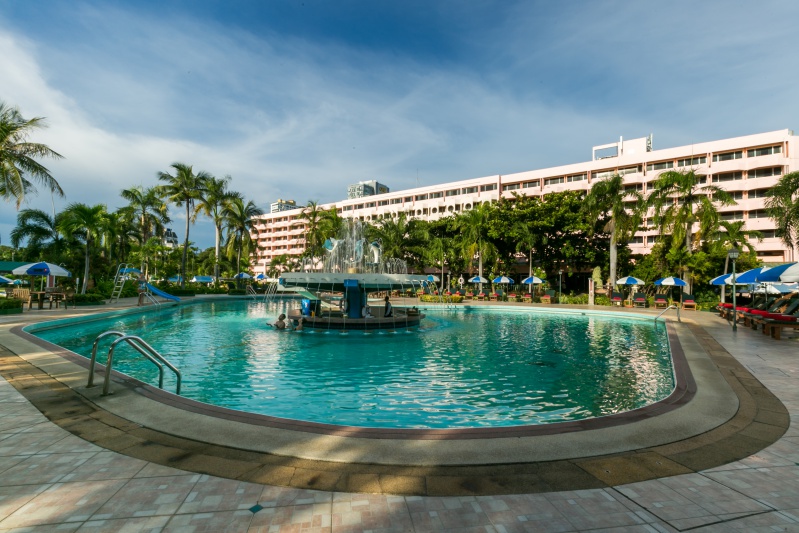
<point x="162" y="294"/>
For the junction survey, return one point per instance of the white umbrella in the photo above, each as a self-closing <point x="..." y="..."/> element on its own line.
<point x="503" y="279"/>
<point x="533" y="280"/>
<point x="630" y="280"/>
<point x="672" y="281"/>
<point x="41" y="269"/>
<point x="242" y="275"/>
<point x="791" y="274"/>
<point x="478" y="279"/>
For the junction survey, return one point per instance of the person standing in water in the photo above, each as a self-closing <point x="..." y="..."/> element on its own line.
<point x="388" y="311"/>
<point x="281" y="322"/>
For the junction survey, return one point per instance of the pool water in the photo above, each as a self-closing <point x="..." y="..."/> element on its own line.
<point x="461" y="368"/>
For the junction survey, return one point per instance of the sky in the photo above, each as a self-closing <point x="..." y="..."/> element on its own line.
<point x="296" y="99"/>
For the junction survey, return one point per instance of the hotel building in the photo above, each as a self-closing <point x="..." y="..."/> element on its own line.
<point x="747" y="167"/>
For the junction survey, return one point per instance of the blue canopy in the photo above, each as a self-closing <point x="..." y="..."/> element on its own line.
<point x="202" y="279"/>
<point x="675" y="282"/>
<point x="431" y="277"/>
<point x="503" y="279"/>
<point x="773" y="274"/>
<point x="130" y="271"/>
<point x="41" y="269"/>
<point x="4" y="279"/>
<point x="242" y="275"/>
<point x="175" y="279"/>
<point x="478" y="279"/>
<point x="532" y="280"/>
<point x="750" y="276"/>
<point x="629" y="280"/>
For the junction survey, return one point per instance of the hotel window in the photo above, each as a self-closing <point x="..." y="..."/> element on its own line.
<point x="420" y="197"/>
<point x="663" y="165"/>
<point x="757" y="152"/>
<point x="733" y="215"/>
<point x="729" y="156"/>
<point x="637" y="187"/>
<point x="370" y="204"/>
<point x="510" y="187"/>
<point x="395" y="201"/>
<point x="576" y="177"/>
<point x="765" y="172"/>
<point x="553" y="181"/>
<point x="691" y="161"/>
<point x="603" y="174"/>
<point x="529" y="184"/>
<point x="759" y="193"/>
<point x="359" y="206"/>
<point x="758" y="213"/>
<point x="436" y="194"/>
<point x="382" y="202"/>
<point x="637" y="240"/>
<point x="409" y="198"/>
<point x="485" y="188"/>
<point x="469" y="190"/>
<point x="727" y="176"/>
<point x="453" y="192"/>
<point x="629" y="170"/>
<point x="737" y="195"/>
<point x="347" y="208"/>
<point x="769" y="233"/>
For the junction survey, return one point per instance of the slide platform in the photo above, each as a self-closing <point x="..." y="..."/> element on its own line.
<point x="162" y="294"/>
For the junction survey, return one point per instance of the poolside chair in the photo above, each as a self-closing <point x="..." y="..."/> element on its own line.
<point x="548" y="296"/>
<point x="617" y="299"/>
<point x="661" y="301"/>
<point x="774" y="323"/>
<point x="639" y="299"/>
<point x="688" y="302"/>
<point x="778" y="313"/>
<point x="527" y="298"/>
<point x="469" y="295"/>
<point x="69" y="296"/>
<point x="481" y="296"/>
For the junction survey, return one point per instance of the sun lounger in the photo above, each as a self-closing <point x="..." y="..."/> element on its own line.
<point x="527" y="298"/>
<point x="688" y="302"/>
<point x="661" y="302"/>
<point x="639" y="299"/>
<point x="547" y="297"/>
<point x="617" y="299"/>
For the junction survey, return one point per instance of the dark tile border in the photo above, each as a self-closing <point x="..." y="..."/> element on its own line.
<point x="761" y="420"/>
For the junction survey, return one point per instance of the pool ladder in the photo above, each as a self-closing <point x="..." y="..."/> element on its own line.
<point x="138" y="344"/>
<point x="666" y="309"/>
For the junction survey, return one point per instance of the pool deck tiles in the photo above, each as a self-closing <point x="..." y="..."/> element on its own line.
<point x="81" y="468"/>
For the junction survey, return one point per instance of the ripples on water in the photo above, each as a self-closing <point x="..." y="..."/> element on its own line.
<point x="461" y="369"/>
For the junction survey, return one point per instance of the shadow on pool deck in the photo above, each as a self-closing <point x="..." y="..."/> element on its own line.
<point x="758" y="422"/>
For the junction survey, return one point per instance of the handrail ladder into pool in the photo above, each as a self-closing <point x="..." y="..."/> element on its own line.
<point x="251" y="292"/>
<point x="152" y="299"/>
<point x="666" y="309"/>
<point x="138" y="344"/>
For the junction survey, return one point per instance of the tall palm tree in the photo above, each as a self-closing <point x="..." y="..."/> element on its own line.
<point x="238" y="221"/>
<point x="313" y="215"/>
<point x="185" y="188"/>
<point x="212" y="205"/>
<point x="86" y="223"/>
<point x="527" y="239"/>
<point x="41" y="232"/>
<point x="783" y="207"/>
<point x="149" y="208"/>
<point x="680" y="202"/>
<point x="624" y="209"/>
<point x="732" y="233"/>
<point x="473" y="227"/>
<point x="399" y="238"/>
<point x="18" y="163"/>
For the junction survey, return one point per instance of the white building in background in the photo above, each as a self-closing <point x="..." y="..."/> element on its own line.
<point x="366" y="188"/>
<point x="282" y="205"/>
<point x="170" y="238"/>
<point x="747" y="167"/>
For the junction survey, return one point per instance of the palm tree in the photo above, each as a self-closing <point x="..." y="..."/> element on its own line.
<point x="313" y="215"/>
<point x="87" y="223"/>
<point x="150" y="210"/>
<point x="527" y="239"/>
<point x="783" y="207"/>
<point x="732" y="233"/>
<point x="40" y="230"/>
<point x="18" y="157"/>
<point x="212" y="205"/>
<point x="185" y="188"/>
<point x="609" y="197"/>
<point x="399" y="238"/>
<point x="473" y="226"/>
<point x="238" y="221"/>
<point x="680" y="201"/>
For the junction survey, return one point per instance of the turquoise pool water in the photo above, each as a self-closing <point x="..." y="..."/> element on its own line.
<point x="472" y="368"/>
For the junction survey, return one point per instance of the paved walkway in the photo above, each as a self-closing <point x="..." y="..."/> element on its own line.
<point x="51" y="480"/>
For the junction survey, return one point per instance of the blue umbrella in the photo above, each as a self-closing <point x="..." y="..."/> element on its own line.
<point x="202" y="279"/>
<point x="672" y="281"/>
<point x="629" y="280"/>
<point x="532" y="280"/>
<point x="260" y="276"/>
<point x="4" y="279"/>
<point x="242" y="275"/>
<point x="431" y="277"/>
<point x="175" y="279"/>
<point x="750" y="276"/>
<point x="503" y="279"/>
<point x="41" y="269"/>
<point x="773" y="274"/>
<point x="478" y="279"/>
<point x="725" y="279"/>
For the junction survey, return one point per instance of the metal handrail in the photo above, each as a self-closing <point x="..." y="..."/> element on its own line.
<point x="666" y="309"/>
<point x="141" y="346"/>
<point x="251" y="292"/>
<point x="150" y="297"/>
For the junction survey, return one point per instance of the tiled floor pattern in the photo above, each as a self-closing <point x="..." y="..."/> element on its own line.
<point x="51" y="480"/>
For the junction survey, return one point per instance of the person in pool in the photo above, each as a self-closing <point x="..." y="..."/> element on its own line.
<point x="388" y="311"/>
<point x="298" y="327"/>
<point x="281" y="322"/>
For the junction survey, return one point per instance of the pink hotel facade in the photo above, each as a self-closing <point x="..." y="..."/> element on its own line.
<point x="746" y="166"/>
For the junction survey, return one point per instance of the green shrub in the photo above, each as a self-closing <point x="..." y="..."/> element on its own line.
<point x="180" y="292"/>
<point x="89" y="298"/>
<point x="578" y="299"/>
<point x="237" y="292"/>
<point x="10" y="303"/>
<point x="601" y="299"/>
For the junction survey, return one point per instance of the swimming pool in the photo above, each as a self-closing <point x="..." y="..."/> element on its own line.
<point x="485" y="367"/>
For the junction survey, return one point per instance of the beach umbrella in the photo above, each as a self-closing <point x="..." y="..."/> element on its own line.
<point x="41" y="269"/>
<point x="242" y="275"/>
<point x="775" y="288"/>
<point x="260" y="276"/>
<point x="433" y="278"/>
<point x="672" y="281"/>
<point x="750" y="276"/>
<point x="773" y="274"/>
<point x="532" y="280"/>
<point x="629" y="280"/>
<point x="4" y="279"/>
<point x="503" y="279"/>
<point x="724" y="279"/>
<point x="791" y="274"/>
<point x="478" y="279"/>
<point x="175" y="279"/>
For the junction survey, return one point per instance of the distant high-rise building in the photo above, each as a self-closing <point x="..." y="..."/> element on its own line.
<point x="170" y="238"/>
<point x="283" y="205"/>
<point x="366" y="188"/>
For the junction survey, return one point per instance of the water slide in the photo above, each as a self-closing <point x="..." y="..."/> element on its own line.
<point x="162" y="294"/>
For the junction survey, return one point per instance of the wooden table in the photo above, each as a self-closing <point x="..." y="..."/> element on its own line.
<point x="39" y="295"/>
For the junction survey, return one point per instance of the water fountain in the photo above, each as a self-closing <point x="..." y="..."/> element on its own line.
<point x="353" y="268"/>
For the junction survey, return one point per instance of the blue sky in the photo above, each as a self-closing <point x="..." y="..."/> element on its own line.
<point x="297" y="99"/>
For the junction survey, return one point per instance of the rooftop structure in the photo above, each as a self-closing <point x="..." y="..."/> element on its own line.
<point x="366" y="188"/>
<point x="282" y="205"/>
<point x="747" y="167"/>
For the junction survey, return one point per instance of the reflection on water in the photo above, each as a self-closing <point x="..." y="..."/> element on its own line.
<point x="461" y="369"/>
